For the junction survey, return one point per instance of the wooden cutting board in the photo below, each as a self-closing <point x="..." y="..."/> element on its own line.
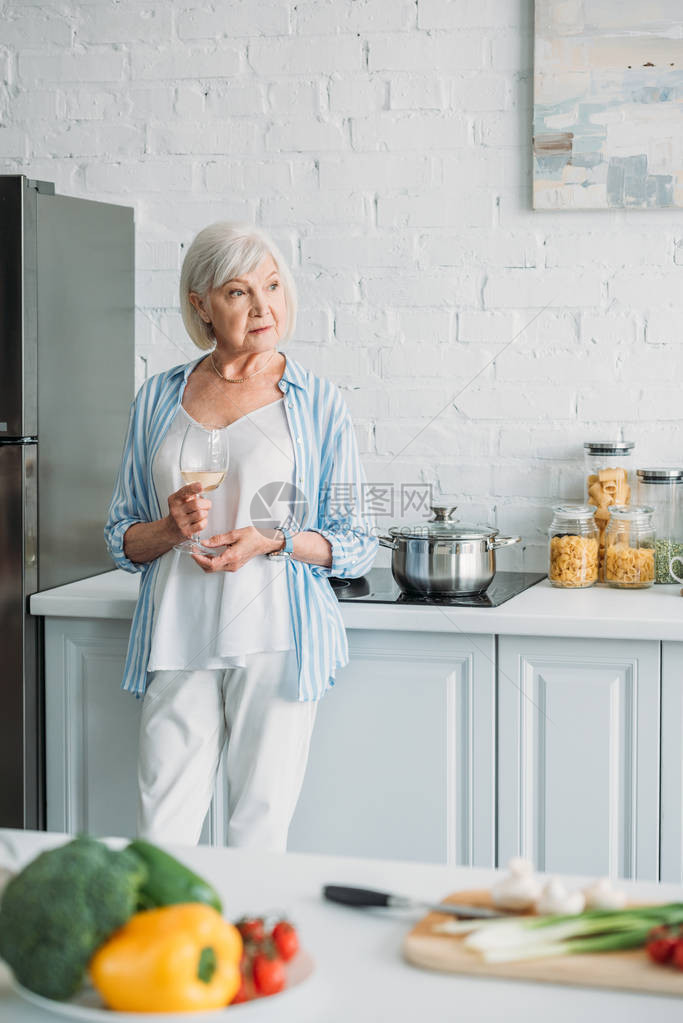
<point x="627" y="971"/>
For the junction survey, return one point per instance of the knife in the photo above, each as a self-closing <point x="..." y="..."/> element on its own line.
<point x="368" y="897"/>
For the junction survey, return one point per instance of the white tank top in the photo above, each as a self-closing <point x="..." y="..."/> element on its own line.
<point x="212" y="620"/>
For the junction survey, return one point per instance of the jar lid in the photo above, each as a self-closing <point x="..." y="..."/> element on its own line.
<point x="633" y="512"/>
<point x="660" y="475"/>
<point x="609" y="447"/>
<point x="574" y="511"/>
<point x="443" y="527"/>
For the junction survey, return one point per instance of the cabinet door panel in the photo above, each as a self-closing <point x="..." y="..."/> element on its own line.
<point x="92" y="733"/>
<point x="91" y="729"/>
<point x="672" y="763"/>
<point x="579" y="755"/>
<point x="401" y="762"/>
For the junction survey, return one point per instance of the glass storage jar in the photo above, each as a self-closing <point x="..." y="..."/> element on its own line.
<point x="573" y="546"/>
<point x="630" y="547"/>
<point x="663" y="490"/>
<point x="608" y="482"/>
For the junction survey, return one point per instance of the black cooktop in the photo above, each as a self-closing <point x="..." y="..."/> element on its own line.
<point x="379" y="587"/>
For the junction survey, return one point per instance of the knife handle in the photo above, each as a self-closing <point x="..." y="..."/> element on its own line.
<point x="355" y="896"/>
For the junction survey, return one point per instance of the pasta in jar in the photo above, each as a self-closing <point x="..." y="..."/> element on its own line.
<point x="607" y="484"/>
<point x="629" y="566"/>
<point x="573" y="554"/>
<point x="630" y="548"/>
<point x="605" y="488"/>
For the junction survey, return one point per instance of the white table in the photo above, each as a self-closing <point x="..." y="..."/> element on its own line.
<point x="360" y="976"/>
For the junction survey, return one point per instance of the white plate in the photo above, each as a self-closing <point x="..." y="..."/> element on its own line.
<point x="87" y="1004"/>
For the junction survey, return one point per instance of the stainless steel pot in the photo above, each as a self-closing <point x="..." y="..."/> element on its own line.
<point x="443" y="557"/>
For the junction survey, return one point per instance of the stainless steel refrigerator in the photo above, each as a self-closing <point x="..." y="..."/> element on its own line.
<point x="66" y="383"/>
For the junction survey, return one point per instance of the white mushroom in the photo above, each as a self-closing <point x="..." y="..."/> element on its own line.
<point x="519" y="889"/>
<point x="556" y="899"/>
<point x="603" y="895"/>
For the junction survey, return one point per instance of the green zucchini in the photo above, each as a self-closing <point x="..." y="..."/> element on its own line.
<point x="169" y="881"/>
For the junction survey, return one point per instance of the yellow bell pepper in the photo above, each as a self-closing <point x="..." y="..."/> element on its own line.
<point x="171" y="959"/>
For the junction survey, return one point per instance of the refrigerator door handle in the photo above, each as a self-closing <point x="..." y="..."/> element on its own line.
<point x="21" y="721"/>
<point x="30" y="486"/>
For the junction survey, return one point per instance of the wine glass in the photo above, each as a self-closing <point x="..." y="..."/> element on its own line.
<point x="204" y="458"/>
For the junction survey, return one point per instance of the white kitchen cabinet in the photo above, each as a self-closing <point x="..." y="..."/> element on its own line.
<point x="402" y="756"/>
<point x="671" y="861"/>
<point x="578" y="754"/>
<point x="92" y="730"/>
<point x="423" y="750"/>
<point x="402" y="761"/>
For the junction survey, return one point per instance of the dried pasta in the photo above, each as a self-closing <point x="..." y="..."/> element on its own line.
<point x="573" y="560"/>
<point x="629" y="566"/>
<point x="606" y="487"/>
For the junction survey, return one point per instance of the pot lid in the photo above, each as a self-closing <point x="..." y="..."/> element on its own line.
<point x="443" y="527"/>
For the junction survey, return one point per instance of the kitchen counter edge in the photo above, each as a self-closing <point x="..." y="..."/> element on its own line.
<point x="543" y="610"/>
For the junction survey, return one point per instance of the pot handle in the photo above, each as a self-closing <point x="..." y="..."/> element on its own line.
<point x="386" y="541"/>
<point x="503" y="541"/>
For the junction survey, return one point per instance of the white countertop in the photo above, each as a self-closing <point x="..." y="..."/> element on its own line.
<point x="543" y="610"/>
<point x="359" y="973"/>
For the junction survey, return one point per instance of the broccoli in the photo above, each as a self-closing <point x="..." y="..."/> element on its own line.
<point x="57" y="911"/>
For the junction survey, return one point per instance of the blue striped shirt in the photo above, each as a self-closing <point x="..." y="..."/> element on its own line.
<point x="326" y="463"/>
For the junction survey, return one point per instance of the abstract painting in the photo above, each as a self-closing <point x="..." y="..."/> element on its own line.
<point x="608" y="104"/>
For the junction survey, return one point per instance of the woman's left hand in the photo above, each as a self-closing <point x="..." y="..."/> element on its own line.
<point x="242" y="545"/>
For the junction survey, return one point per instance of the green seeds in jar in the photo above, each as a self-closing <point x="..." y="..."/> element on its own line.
<point x="665" y="550"/>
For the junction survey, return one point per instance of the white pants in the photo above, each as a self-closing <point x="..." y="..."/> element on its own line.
<point x="187" y="717"/>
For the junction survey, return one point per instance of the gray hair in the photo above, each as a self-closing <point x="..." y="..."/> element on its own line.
<point x="219" y="253"/>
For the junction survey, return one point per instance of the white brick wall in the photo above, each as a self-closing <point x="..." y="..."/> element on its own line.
<point x="386" y="145"/>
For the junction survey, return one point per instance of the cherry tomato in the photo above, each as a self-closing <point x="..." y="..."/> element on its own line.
<point x="286" y="940"/>
<point x="661" y="944"/>
<point x="242" y="994"/>
<point x="677" y="955"/>
<point x="251" y="928"/>
<point x="269" y="974"/>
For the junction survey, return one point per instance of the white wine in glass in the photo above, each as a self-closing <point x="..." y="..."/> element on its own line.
<point x="204" y="458"/>
<point x="209" y="480"/>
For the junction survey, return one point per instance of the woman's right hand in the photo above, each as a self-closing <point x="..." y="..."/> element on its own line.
<point x="187" y="512"/>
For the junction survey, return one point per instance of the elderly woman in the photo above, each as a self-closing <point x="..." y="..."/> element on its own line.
<point x="238" y="646"/>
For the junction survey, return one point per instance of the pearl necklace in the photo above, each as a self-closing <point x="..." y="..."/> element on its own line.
<point x="240" y="380"/>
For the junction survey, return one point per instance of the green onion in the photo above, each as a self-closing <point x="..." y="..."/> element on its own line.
<point x="532" y="937"/>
